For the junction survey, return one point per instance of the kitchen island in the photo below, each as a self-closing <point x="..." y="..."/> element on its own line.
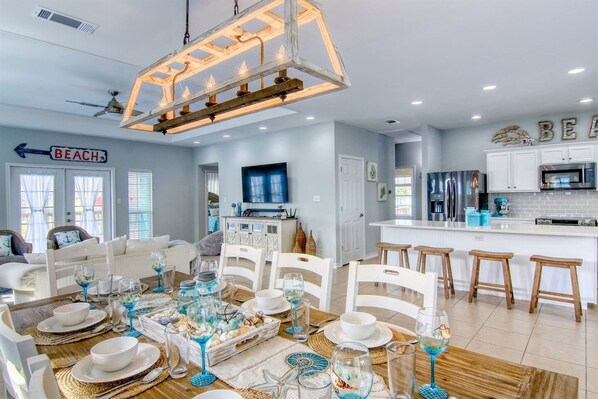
<point x="524" y="240"/>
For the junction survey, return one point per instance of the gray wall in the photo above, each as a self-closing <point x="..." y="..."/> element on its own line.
<point x="172" y="171"/>
<point x="463" y="148"/>
<point x="353" y="141"/>
<point x="309" y="153"/>
<point x="410" y="155"/>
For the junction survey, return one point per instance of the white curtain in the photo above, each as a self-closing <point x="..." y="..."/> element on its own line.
<point x="87" y="189"/>
<point x="37" y="188"/>
<point x="212" y="181"/>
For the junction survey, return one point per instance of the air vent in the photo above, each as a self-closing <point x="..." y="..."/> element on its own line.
<point x="49" y="15"/>
<point x="392" y="121"/>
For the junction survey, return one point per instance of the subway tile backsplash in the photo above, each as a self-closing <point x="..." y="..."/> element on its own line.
<point x="550" y="203"/>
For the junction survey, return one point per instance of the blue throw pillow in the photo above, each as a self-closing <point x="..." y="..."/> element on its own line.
<point x="66" y="238"/>
<point x="5" y="245"/>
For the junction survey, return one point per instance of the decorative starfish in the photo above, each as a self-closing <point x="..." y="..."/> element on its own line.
<point x="278" y="386"/>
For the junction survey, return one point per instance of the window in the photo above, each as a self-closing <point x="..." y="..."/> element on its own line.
<point x="404" y="192"/>
<point x="140" y="205"/>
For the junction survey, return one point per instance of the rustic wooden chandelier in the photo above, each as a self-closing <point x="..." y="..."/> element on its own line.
<point x="274" y="26"/>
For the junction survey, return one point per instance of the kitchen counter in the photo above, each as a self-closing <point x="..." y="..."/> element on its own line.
<point x="499" y="226"/>
<point x="523" y="239"/>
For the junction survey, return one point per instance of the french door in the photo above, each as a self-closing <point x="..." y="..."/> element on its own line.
<point x="43" y="197"/>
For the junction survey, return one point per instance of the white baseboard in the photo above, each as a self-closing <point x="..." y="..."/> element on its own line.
<point x="367" y="256"/>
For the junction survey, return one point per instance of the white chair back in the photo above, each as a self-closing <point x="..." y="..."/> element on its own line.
<point x="314" y="264"/>
<point x="14" y="351"/>
<point x="61" y="264"/>
<point x="233" y="253"/>
<point x="399" y="276"/>
<point x="43" y="384"/>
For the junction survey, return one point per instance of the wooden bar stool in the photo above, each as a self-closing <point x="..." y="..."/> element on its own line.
<point x="564" y="263"/>
<point x="401" y="249"/>
<point x="507" y="286"/>
<point x="447" y="271"/>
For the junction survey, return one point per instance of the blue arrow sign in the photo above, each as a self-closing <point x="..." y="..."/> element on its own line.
<point x="21" y="150"/>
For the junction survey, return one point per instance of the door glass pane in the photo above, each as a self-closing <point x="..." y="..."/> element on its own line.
<point x="37" y="208"/>
<point x="89" y="209"/>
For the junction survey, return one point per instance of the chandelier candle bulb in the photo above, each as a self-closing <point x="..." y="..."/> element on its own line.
<point x="244" y="89"/>
<point x="282" y="74"/>
<point x="163" y="117"/>
<point x="210" y="85"/>
<point x="186" y="109"/>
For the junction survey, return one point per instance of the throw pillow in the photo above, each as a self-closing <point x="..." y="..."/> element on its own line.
<point x="215" y="212"/>
<point x="119" y="244"/>
<point x="6" y="245"/>
<point x="152" y="244"/>
<point x="210" y="245"/>
<point x="35" y="259"/>
<point x="66" y="238"/>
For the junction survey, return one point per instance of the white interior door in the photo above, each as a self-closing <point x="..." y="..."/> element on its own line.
<point x="42" y="197"/>
<point x="352" y="228"/>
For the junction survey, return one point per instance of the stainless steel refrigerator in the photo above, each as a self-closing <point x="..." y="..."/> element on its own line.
<point x="449" y="193"/>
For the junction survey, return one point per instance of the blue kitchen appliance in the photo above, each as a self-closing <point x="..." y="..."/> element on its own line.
<point x="501" y="207"/>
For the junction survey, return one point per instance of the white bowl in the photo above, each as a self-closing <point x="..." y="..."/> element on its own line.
<point x="71" y="314"/>
<point x="219" y="394"/>
<point x="358" y="325"/>
<point x="268" y="299"/>
<point x="114" y="353"/>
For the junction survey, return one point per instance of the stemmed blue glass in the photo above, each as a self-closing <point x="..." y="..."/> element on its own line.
<point x="84" y="275"/>
<point x="433" y="333"/>
<point x="201" y="316"/>
<point x="293" y="288"/>
<point x="158" y="261"/>
<point x="129" y="291"/>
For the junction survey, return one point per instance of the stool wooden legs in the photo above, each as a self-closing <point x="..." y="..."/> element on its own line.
<point x="533" y="303"/>
<point x="475" y="276"/>
<point x="506" y="272"/>
<point x="383" y="258"/>
<point x="475" y="284"/>
<point x="576" y="295"/>
<point x="447" y="272"/>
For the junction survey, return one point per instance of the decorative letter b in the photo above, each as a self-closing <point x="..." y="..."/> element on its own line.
<point x="546" y="132"/>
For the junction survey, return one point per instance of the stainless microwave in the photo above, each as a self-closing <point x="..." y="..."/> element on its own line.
<point x="568" y="176"/>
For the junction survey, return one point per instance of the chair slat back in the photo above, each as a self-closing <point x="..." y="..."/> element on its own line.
<point x="61" y="264"/>
<point x="233" y="253"/>
<point x="43" y="384"/>
<point x="14" y="351"/>
<point x="314" y="264"/>
<point x="425" y="284"/>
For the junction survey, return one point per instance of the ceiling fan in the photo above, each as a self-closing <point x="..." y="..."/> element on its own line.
<point x="113" y="106"/>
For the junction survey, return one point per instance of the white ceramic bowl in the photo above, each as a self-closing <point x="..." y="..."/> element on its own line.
<point x="358" y="325"/>
<point x="71" y="314"/>
<point x="114" y="353"/>
<point x="219" y="394"/>
<point x="268" y="299"/>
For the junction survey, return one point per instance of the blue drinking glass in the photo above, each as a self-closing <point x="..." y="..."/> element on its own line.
<point x="201" y="317"/>
<point x="84" y="275"/>
<point x="433" y="333"/>
<point x="129" y="291"/>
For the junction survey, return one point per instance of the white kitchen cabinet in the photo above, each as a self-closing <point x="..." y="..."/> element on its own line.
<point x="510" y="171"/>
<point x="568" y="154"/>
<point x="258" y="232"/>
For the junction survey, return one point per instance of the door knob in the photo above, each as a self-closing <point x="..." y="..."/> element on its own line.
<point x="68" y="213"/>
<point x="68" y="220"/>
<point x="361" y="215"/>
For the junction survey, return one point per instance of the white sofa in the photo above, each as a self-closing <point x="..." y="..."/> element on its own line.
<point x="131" y="259"/>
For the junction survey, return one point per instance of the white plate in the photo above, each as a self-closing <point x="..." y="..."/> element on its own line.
<point x="52" y="325"/>
<point x="218" y="394"/>
<point x="115" y="279"/>
<point x="251" y="305"/>
<point x="381" y="336"/>
<point x="86" y="371"/>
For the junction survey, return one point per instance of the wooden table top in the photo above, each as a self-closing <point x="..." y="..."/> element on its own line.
<point x="464" y="374"/>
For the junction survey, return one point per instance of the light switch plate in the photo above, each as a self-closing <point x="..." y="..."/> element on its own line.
<point x="316" y="198"/>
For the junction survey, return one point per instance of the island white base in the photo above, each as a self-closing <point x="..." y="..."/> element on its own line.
<point x="522" y="270"/>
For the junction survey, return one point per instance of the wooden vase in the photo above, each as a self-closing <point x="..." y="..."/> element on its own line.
<point x="300" y="239"/>
<point x="310" y="246"/>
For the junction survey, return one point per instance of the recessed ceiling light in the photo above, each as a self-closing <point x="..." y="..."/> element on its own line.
<point x="263" y="128"/>
<point x="226" y="136"/>
<point x="489" y="87"/>
<point x="576" y="70"/>
<point x="310" y="118"/>
<point x="197" y="142"/>
<point x="417" y="102"/>
<point x="474" y="117"/>
<point x="586" y="100"/>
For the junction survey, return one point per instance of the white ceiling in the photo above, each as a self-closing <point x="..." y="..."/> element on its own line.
<point x="395" y="51"/>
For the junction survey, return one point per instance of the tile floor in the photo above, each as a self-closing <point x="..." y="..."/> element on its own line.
<point x="549" y="339"/>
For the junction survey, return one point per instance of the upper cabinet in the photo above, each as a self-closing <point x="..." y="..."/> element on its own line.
<point x="569" y="154"/>
<point x="510" y="171"/>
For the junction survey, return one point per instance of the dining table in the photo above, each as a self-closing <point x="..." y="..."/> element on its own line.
<point x="463" y="373"/>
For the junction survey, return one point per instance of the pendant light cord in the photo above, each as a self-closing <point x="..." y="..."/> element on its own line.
<point x="187" y="36"/>
<point x="236" y="7"/>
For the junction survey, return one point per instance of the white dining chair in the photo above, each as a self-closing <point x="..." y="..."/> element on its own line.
<point x="320" y="266"/>
<point x="15" y="349"/>
<point x="235" y="258"/>
<point x="61" y="264"/>
<point x="43" y="384"/>
<point x="424" y="283"/>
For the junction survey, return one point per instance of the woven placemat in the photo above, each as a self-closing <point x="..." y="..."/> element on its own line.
<point x="71" y="388"/>
<point x="323" y="346"/>
<point x="252" y="394"/>
<point x="46" y="339"/>
<point x="286" y="317"/>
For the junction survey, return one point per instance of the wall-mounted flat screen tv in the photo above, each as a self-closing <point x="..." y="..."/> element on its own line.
<point x="265" y="183"/>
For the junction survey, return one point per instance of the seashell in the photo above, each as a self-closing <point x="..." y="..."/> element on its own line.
<point x="243" y="330"/>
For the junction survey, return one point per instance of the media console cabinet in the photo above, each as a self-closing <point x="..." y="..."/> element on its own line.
<point x="261" y="232"/>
